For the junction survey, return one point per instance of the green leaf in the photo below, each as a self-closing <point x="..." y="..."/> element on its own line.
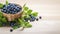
<point x="7" y="2"/>
<point x="28" y="25"/>
<point x="1" y="5"/>
<point x="15" y="27"/>
<point x="35" y="14"/>
<point x="4" y="20"/>
<point x="0" y="24"/>
<point x="29" y="12"/>
<point x="1" y="14"/>
<point x="21" y="22"/>
<point x="25" y="8"/>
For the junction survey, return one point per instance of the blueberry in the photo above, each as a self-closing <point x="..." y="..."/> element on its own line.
<point x="14" y="10"/>
<point x="4" y="5"/>
<point x="11" y="6"/>
<point x="8" y="6"/>
<point x="3" y="10"/>
<point x="11" y="9"/>
<point x="11" y="30"/>
<point x="40" y="17"/>
<point x="37" y="19"/>
<point x="32" y="18"/>
<point x="12" y="24"/>
<point x="8" y="10"/>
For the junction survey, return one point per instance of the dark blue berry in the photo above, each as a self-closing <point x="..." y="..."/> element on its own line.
<point x="12" y="24"/>
<point x="40" y="17"/>
<point x="11" y="30"/>
<point x="32" y="18"/>
<point x="4" y="5"/>
<point x="37" y="19"/>
<point x="8" y="6"/>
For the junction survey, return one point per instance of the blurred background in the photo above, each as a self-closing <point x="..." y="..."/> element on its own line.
<point x="49" y="10"/>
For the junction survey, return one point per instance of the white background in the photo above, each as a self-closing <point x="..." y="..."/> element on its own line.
<point x="48" y="9"/>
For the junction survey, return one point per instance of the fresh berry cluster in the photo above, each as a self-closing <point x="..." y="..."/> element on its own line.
<point x="32" y="18"/>
<point x="11" y="8"/>
<point x="12" y="23"/>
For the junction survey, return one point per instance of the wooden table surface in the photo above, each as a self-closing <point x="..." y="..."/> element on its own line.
<point x="50" y="12"/>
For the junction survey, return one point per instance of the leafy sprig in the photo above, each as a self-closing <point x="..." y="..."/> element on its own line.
<point x="1" y="5"/>
<point x="2" y="19"/>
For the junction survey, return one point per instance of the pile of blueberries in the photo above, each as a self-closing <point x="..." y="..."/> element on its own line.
<point x="11" y="8"/>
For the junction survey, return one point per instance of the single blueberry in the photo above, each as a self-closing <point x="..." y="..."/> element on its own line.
<point x="5" y="8"/>
<point x="11" y="9"/>
<point x="8" y="10"/>
<point x="8" y="6"/>
<point x="5" y="11"/>
<point x="4" y="5"/>
<point x="14" y="10"/>
<point x="32" y="19"/>
<point x="12" y="24"/>
<point x="37" y="19"/>
<point x="11" y="30"/>
<point x="40" y="17"/>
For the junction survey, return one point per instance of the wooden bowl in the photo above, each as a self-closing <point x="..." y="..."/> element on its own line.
<point x="11" y="17"/>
